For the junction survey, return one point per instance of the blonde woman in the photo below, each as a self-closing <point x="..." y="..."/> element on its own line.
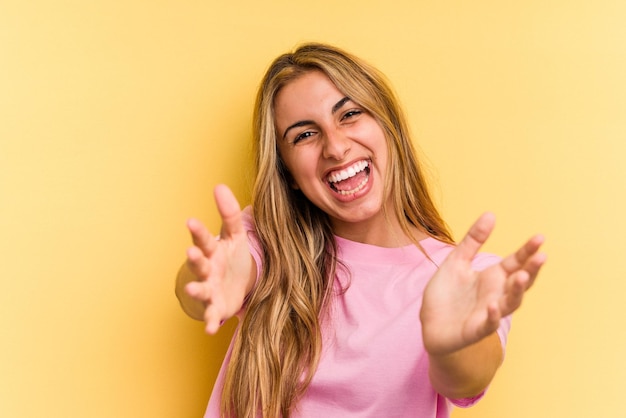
<point x="352" y="297"/>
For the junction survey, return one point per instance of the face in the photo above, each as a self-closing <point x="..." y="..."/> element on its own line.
<point x="334" y="150"/>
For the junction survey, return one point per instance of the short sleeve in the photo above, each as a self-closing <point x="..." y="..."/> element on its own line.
<point x="254" y="243"/>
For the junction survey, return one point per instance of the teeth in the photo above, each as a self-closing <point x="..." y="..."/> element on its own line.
<point x="353" y="191"/>
<point x="348" y="172"/>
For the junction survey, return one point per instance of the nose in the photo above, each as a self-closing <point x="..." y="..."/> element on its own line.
<point x="336" y="144"/>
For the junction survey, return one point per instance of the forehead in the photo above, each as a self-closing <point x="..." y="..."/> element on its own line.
<point x="311" y="91"/>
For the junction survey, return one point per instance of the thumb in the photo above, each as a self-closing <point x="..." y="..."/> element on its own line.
<point x="229" y="210"/>
<point x="476" y="236"/>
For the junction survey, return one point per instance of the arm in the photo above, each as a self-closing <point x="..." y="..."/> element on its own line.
<point x="462" y="309"/>
<point x="192" y="307"/>
<point x="467" y="372"/>
<point x="219" y="271"/>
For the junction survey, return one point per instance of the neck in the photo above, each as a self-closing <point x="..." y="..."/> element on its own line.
<point x="385" y="232"/>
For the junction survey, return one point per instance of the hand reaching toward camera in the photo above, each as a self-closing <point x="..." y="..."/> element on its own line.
<point x="219" y="271"/>
<point x="462" y="306"/>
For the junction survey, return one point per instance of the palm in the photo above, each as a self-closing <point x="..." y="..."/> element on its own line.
<point x="461" y="306"/>
<point x="222" y="265"/>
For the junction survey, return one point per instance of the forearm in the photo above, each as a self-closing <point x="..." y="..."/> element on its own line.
<point x="467" y="372"/>
<point x="192" y="307"/>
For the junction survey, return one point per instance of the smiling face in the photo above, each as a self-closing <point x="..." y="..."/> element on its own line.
<point x="336" y="153"/>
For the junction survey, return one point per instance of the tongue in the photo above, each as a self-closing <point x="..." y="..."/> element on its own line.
<point x="350" y="183"/>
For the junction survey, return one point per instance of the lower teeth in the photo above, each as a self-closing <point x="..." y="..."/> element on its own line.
<point x="353" y="191"/>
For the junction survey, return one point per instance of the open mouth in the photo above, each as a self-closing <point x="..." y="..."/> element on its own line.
<point x="350" y="180"/>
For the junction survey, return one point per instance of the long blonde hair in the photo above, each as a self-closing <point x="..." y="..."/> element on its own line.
<point x="278" y="345"/>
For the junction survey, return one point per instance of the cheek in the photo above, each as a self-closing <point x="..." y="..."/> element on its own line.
<point x="294" y="169"/>
<point x="300" y="163"/>
<point x="301" y="172"/>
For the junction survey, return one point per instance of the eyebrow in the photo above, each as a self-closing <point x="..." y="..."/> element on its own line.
<point x="340" y="104"/>
<point x="297" y="125"/>
<point x="334" y="110"/>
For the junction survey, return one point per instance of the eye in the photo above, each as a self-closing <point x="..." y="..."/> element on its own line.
<point x="351" y="114"/>
<point x="304" y="135"/>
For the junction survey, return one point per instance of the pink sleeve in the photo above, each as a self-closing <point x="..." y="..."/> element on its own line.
<point x="253" y="239"/>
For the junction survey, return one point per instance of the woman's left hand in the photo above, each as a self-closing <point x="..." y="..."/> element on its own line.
<point x="462" y="306"/>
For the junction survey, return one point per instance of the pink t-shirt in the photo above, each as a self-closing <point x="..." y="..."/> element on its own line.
<point x="373" y="362"/>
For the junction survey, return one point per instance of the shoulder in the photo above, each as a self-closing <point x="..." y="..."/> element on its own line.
<point x="247" y="218"/>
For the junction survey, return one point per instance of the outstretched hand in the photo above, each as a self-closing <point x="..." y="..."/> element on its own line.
<point x="462" y="306"/>
<point x="222" y="266"/>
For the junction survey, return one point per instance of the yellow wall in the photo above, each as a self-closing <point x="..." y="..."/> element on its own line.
<point x="118" y="117"/>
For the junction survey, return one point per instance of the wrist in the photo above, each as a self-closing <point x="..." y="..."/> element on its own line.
<point x="466" y="372"/>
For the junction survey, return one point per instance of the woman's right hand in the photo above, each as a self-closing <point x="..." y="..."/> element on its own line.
<point x="219" y="271"/>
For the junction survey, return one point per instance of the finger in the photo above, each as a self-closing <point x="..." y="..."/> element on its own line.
<point x="197" y="263"/>
<point x="493" y="318"/>
<point x="201" y="237"/>
<point x="476" y="236"/>
<point x="532" y="267"/>
<point x="521" y="257"/>
<point x="201" y="290"/>
<point x="213" y="319"/>
<point x="229" y="210"/>
<point x="517" y="286"/>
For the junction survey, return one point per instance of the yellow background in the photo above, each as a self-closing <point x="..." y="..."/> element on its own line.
<point x="117" y="118"/>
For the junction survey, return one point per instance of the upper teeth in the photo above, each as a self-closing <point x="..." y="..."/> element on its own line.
<point x="348" y="172"/>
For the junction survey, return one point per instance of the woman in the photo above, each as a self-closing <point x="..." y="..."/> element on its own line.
<point x="352" y="298"/>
